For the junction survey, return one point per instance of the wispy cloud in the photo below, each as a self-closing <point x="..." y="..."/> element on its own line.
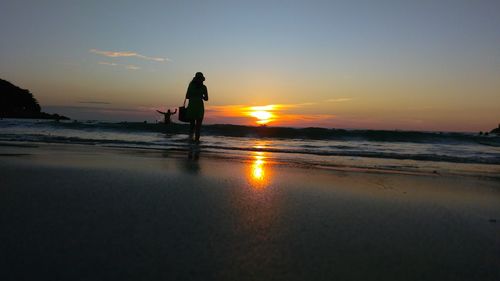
<point x="117" y="54"/>
<point x="126" y="66"/>
<point x="306" y="104"/>
<point x="132" y="67"/>
<point x="108" y="63"/>
<point x="339" y="100"/>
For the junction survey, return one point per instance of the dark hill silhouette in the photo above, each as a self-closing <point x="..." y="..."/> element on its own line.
<point x="20" y="103"/>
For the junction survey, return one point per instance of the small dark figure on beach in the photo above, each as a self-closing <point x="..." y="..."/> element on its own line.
<point x="167" y="115"/>
<point x="196" y="93"/>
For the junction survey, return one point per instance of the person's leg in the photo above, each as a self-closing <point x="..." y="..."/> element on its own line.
<point x="198" y="128"/>
<point x="191" y="129"/>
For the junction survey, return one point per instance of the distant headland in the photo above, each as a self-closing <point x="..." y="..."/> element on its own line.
<point x="20" y="103"/>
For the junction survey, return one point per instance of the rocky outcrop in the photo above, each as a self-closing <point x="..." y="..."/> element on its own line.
<point x="20" y="103"/>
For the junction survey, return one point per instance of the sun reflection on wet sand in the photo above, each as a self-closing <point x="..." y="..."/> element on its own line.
<point x="258" y="173"/>
<point x="257" y="168"/>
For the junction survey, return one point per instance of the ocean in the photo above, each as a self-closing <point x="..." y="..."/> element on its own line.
<point x="370" y="150"/>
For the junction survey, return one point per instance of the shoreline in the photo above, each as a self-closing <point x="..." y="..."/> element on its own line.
<point x="293" y="159"/>
<point x="87" y="212"/>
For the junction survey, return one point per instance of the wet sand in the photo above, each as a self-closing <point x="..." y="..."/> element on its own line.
<point x="71" y="212"/>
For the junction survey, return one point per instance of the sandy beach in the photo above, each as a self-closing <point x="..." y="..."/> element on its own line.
<point x="81" y="212"/>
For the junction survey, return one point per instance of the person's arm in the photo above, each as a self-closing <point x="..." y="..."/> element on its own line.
<point x="175" y="111"/>
<point x="160" y="112"/>
<point x="205" y="94"/>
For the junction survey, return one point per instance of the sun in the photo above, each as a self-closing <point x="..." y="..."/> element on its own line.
<point x="263" y="114"/>
<point x="263" y="117"/>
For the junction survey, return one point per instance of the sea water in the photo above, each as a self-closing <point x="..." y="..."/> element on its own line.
<point x="406" y="151"/>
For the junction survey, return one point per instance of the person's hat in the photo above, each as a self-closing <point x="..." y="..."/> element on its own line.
<point x="199" y="75"/>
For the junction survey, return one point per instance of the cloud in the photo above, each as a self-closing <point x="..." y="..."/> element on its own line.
<point x="127" y="66"/>
<point x="339" y="100"/>
<point x="306" y="104"/>
<point x="108" y="63"/>
<point x="115" y="54"/>
<point x="132" y="67"/>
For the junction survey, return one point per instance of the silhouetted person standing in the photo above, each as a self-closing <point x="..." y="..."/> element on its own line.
<point x="196" y="93"/>
<point x="167" y="115"/>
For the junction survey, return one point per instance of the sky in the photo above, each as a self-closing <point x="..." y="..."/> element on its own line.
<point x="406" y="65"/>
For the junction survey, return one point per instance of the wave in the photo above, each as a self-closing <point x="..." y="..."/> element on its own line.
<point x="284" y="132"/>
<point x="310" y="142"/>
<point x="182" y="145"/>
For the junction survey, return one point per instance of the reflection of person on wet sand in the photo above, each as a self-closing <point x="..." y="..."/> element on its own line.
<point x="192" y="165"/>
<point x="167" y="115"/>
<point x="194" y="152"/>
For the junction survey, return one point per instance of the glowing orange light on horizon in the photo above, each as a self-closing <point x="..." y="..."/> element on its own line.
<point x="263" y="114"/>
<point x="263" y="117"/>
